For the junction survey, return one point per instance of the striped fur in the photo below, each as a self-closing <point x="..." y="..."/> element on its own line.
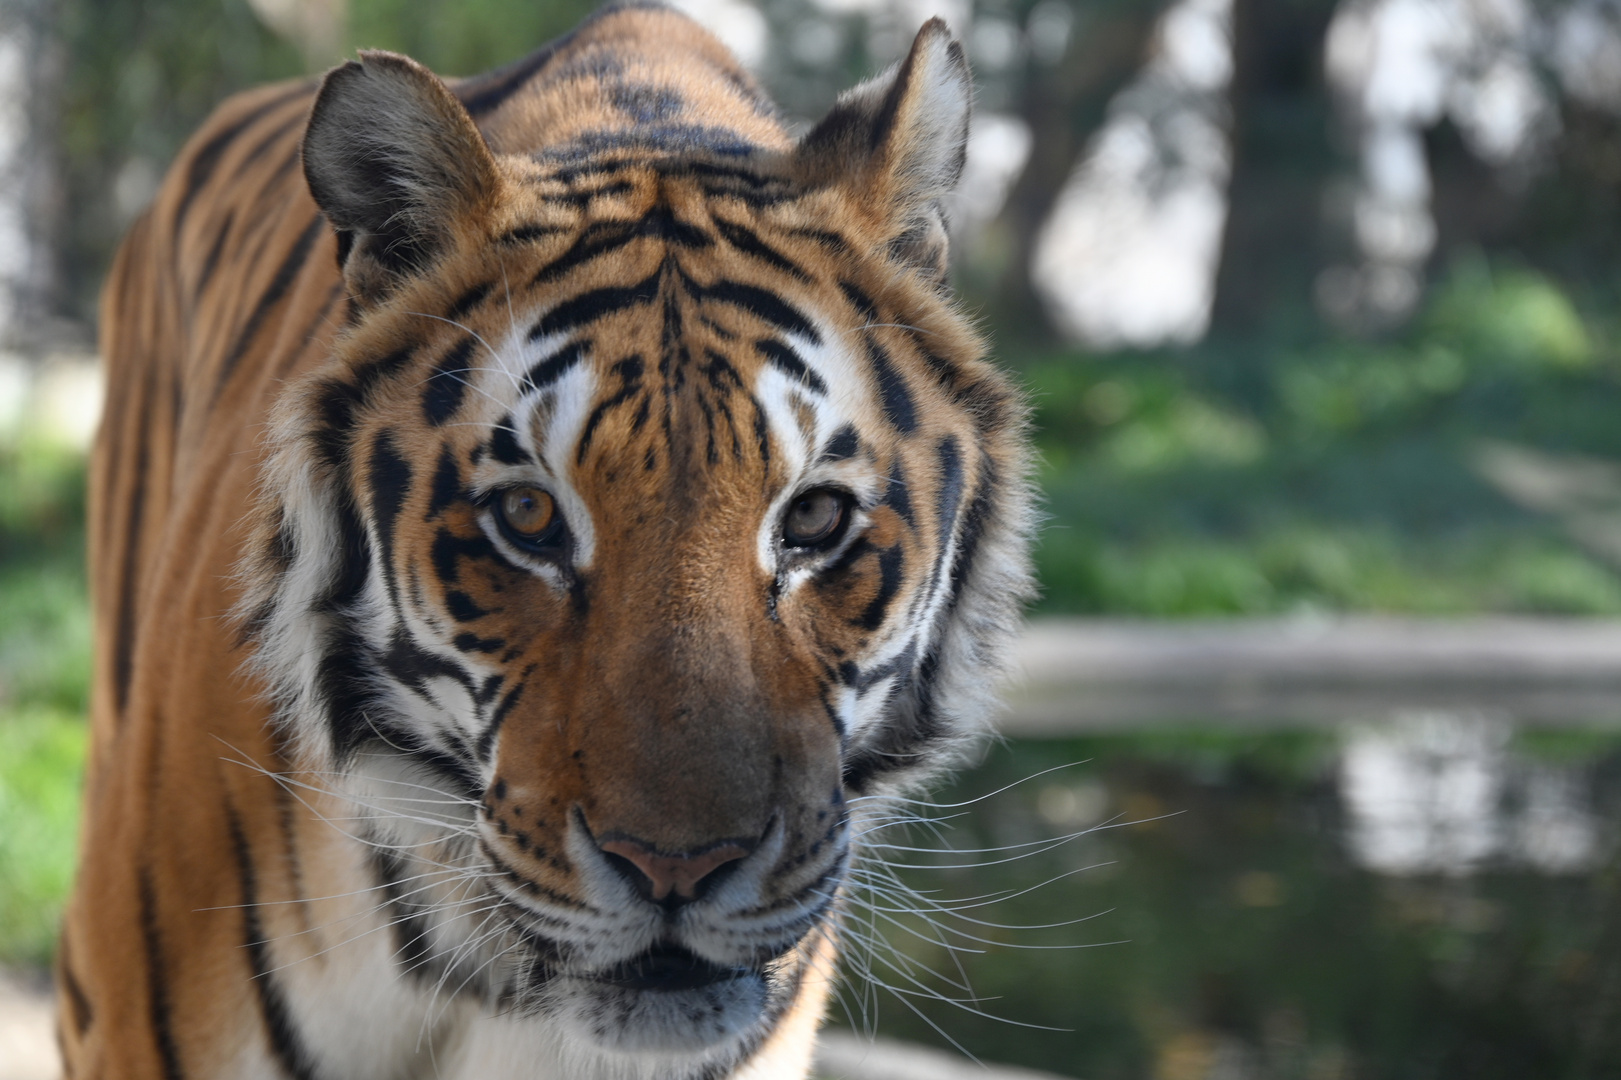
<point x="364" y="759"/>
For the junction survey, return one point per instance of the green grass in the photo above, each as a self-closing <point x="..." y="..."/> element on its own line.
<point x="44" y="679"/>
<point x="41" y="762"/>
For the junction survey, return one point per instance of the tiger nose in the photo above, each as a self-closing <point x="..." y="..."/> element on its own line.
<point x="671" y="880"/>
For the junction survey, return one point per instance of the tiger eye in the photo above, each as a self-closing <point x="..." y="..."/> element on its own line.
<point x="814" y="518"/>
<point x="528" y="511"/>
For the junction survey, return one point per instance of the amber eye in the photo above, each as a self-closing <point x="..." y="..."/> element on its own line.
<point x="816" y="518"/>
<point x="528" y="515"/>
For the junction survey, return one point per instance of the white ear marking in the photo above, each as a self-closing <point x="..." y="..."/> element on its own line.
<point x="898" y="142"/>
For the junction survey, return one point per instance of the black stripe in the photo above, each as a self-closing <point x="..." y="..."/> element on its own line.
<point x="951" y="486"/>
<point x="157" y="982"/>
<point x="410" y="933"/>
<point x="746" y="241"/>
<point x="447" y="484"/>
<point x="860" y="301"/>
<point x="289" y="834"/>
<point x="897" y="665"/>
<point x="525" y="233"/>
<point x="207" y="158"/>
<point x="629" y="371"/>
<point x="270" y="139"/>
<point x="283" y="545"/>
<point x="449" y="549"/>
<point x="504" y="443"/>
<point x="124" y="644"/>
<point x="972" y="529"/>
<point x="829" y="241"/>
<point x="80" y="1013"/>
<point x="389" y="478"/>
<point x="485" y="93"/>
<point x="898" y="498"/>
<point x="892" y="388"/>
<point x="763" y="305"/>
<point x="446" y="388"/>
<point x="486" y="738"/>
<point x="762" y="435"/>
<point x="294" y="355"/>
<point x="469" y="300"/>
<point x="597" y="304"/>
<point x="343" y="686"/>
<point x="354" y="562"/>
<point x="889" y="583"/>
<point x="336" y="411"/>
<point x="285" y="1041"/>
<point x="903" y="742"/>
<point x="788" y="362"/>
<point x="414" y="667"/>
<point x="598" y="240"/>
<point x="720" y="171"/>
<point x="279" y="284"/>
<point x="844" y="444"/>
<point x="554" y="367"/>
<point x="274" y="178"/>
<point x="581" y="198"/>
<point x="463" y="608"/>
<point x="662" y="223"/>
<point x="474" y="643"/>
<point x="205" y="273"/>
<point x="678" y="137"/>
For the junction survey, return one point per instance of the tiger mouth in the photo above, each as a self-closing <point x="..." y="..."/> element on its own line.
<point x="669" y="969"/>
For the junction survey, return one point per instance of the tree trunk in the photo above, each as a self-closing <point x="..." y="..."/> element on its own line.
<point x="1283" y="162"/>
<point x="1063" y="105"/>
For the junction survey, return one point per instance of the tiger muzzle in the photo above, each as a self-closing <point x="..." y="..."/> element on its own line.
<point x="671" y="880"/>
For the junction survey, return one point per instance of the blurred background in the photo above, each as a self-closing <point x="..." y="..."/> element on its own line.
<point x="1317" y="303"/>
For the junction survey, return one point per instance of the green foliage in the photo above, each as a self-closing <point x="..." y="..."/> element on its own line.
<point x="141" y="77"/>
<point x="44" y="610"/>
<point x="1256" y="477"/>
<point x="41" y="761"/>
<point x="1509" y="315"/>
<point x="461" y="37"/>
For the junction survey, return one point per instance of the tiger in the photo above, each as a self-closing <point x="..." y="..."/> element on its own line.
<point x="540" y="522"/>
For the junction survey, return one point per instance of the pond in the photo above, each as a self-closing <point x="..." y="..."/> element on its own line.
<point x="1436" y="894"/>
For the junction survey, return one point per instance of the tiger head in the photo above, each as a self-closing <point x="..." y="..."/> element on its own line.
<point x="656" y="512"/>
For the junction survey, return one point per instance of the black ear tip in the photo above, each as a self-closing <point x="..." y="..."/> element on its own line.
<point x="938" y="31"/>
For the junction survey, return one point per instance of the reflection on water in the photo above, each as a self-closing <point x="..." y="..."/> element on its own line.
<point x="1430" y="895"/>
<point x="1442" y="793"/>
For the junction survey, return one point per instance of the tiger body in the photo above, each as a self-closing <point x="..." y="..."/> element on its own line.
<point x="475" y="695"/>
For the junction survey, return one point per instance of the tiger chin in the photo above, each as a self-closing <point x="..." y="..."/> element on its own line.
<point x="538" y="521"/>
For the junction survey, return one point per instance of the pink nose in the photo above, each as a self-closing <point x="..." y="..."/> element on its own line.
<point x="677" y="874"/>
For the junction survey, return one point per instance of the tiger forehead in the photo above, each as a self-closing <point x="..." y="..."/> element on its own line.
<point x="656" y="263"/>
<point x="729" y="206"/>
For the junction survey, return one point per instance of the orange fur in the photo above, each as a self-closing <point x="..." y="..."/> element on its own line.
<point x="317" y="449"/>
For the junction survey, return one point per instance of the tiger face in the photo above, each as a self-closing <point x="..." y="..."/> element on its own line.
<point x="655" y="515"/>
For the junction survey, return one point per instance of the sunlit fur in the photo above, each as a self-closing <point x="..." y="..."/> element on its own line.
<point x="356" y="748"/>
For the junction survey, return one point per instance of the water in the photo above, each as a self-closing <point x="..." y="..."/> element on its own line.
<point x="1433" y="895"/>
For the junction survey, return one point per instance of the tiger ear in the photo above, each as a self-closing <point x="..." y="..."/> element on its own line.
<point x="898" y="143"/>
<point x="395" y="163"/>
